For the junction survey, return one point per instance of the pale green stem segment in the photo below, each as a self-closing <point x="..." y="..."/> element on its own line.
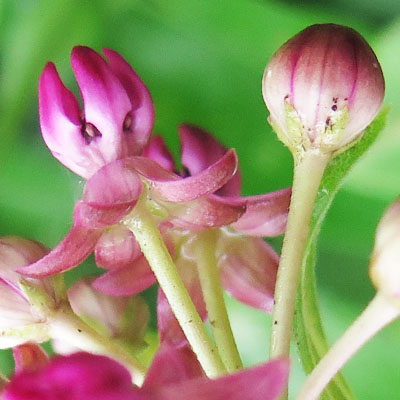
<point x="145" y="230"/>
<point x="213" y="297"/>
<point x="69" y="328"/>
<point x="379" y="313"/>
<point x="308" y="171"/>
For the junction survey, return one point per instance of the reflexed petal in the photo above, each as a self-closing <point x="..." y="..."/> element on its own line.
<point x="158" y="152"/>
<point x="200" y="150"/>
<point x="203" y="183"/>
<point x="263" y="382"/>
<point x="29" y="357"/>
<point x="206" y="212"/>
<point x="265" y="214"/>
<point x="89" y="217"/>
<point x="130" y="279"/>
<point x="113" y="185"/>
<point x="142" y="106"/>
<point x="169" y="330"/>
<point x="60" y="123"/>
<point x="72" y="250"/>
<point x="172" y="365"/>
<point x="248" y="270"/>
<point x="106" y="104"/>
<point x="115" y="248"/>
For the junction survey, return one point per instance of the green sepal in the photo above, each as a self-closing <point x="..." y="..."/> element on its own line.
<point x="310" y="336"/>
<point x="40" y="300"/>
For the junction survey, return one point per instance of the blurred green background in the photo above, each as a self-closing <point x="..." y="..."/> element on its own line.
<point x="202" y="61"/>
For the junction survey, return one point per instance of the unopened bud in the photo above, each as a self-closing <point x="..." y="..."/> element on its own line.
<point x="322" y="88"/>
<point x="385" y="261"/>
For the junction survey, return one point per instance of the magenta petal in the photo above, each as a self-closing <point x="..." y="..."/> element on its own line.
<point x="248" y="270"/>
<point x="112" y="186"/>
<point x="169" y="329"/>
<point x="158" y="152"/>
<point x="72" y="250"/>
<point x="106" y="103"/>
<point x="200" y="150"/>
<point x="61" y="124"/>
<point x="116" y="247"/>
<point x="80" y="376"/>
<point x="142" y="114"/>
<point x="193" y="187"/>
<point x="265" y="214"/>
<point x="263" y="382"/>
<point x="130" y="279"/>
<point x="172" y="365"/>
<point x="206" y="212"/>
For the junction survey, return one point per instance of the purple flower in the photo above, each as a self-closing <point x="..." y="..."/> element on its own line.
<point x="116" y="120"/>
<point x="247" y="263"/>
<point x="171" y="376"/>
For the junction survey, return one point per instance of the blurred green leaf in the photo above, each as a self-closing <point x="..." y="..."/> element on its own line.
<point x="309" y="333"/>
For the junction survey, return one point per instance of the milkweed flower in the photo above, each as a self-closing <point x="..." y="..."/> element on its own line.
<point x="90" y="377"/>
<point x="323" y="87"/>
<point x="116" y="119"/>
<point x="103" y="144"/>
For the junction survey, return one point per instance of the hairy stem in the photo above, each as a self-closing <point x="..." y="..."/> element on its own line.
<point x="213" y="297"/>
<point x="145" y="230"/>
<point x="379" y="312"/>
<point x="307" y="176"/>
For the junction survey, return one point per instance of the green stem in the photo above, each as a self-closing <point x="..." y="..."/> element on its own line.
<point x="308" y="171"/>
<point x="69" y="328"/>
<point x="213" y="297"/>
<point x="142" y="225"/>
<point x="379" y="312"/>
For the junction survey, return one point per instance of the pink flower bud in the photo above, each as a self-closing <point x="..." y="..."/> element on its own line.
<point x="385" y="261"/>
<point x="323" y="87"/>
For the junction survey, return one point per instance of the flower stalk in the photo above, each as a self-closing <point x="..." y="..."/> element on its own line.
<point x="142" y="225"/>
<point x="308" y="171"/>
<point x="213" y="297"/>
<point x="379" y="313"/>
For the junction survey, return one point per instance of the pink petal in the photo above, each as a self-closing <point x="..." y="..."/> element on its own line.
<point x="89" y="217"/>
<point x="169" y="330"/>
<point x="158" y="152"/>
<point x="206" y="212"/>
<point x="201" y="184"/>
<point x="265" y="214"/>
<point x="200" y="150"/>
<point x="106" y="104"/>
<point x="130" y="279"/>
<point x="248" y="270"/>
<point x="263" y="382"/>
<point x="61" y="124"/>
<point x="142" y="113"/>
<point x="113" y="185"/>
<point x="107" y="311"/>
<point x="172" y="365"/>
<point x="72" y="250"/>
<point x="116" y="247"/>
<point x="29" y="357"/>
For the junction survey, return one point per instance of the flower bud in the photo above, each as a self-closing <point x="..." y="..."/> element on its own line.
<point x="385" y="261"/>
<point x="322" y="88"/>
